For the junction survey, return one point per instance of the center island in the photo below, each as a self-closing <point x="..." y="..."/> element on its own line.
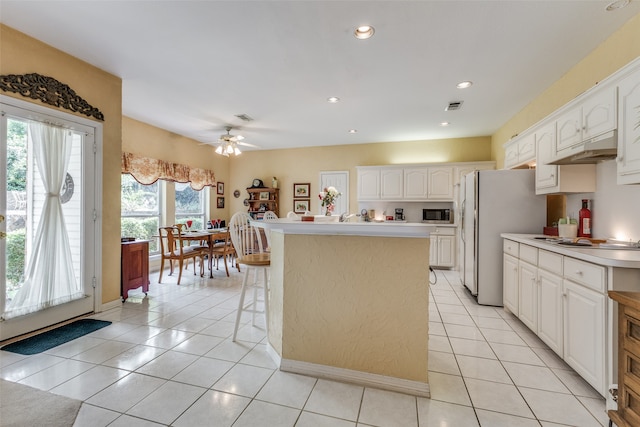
<point x="350" y="302"/>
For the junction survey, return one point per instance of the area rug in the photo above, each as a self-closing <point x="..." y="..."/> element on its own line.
<point x="46" y="340"/>
<point x="22" y="406"/>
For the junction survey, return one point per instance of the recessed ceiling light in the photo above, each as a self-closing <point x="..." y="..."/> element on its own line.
<point x="464" y="85"/>
<point x="617" y="4"/>
<point x="353" y="130"/>
<point x="444" y="123"/>
<point x="333" y="99"/>
<point x="364" y="32"/>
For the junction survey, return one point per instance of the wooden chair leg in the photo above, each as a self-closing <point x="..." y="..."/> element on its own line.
<point x="161" y="269"/>
<point x="226" y="267"/>
<point x="180" y="270"/>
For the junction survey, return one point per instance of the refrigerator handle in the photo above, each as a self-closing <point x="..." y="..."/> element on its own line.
<point x="464" y="202"/>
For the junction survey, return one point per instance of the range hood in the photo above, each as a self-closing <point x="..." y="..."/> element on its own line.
<point x="601" y="147"/>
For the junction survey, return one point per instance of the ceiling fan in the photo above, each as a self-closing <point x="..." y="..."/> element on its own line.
<point x="228" y="144"/>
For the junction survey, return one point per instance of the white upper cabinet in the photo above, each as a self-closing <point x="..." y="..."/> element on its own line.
<point x="368" y="184"/>
<point x="599" y="113"/>
<point x="391" y="181"/>
<point x="546" y="175"/>
<point x="420" y="182"/>
<point x="520" y="151"/>
<point x="440" y="183"/>
<point x="629" y="129"/>
<point x="595" y="115"/>
<point x="559" y="179"/>
<point x="416" y="183"/>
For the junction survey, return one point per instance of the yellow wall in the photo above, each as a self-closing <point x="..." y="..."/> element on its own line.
<point x="614" y="53"/>
<point x="304" y="164"/>
<point x="150" y="141"/>
<point x="21" y="54"/>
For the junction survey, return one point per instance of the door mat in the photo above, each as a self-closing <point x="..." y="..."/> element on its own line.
<point x="46" y="340"/>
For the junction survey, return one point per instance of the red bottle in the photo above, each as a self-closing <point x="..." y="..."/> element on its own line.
<point x="584" y="220"/>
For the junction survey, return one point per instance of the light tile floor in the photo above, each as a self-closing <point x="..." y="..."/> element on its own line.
<point x="168" y="359"/>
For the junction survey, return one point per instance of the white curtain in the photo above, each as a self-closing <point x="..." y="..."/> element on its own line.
<point x="49" y="276"/>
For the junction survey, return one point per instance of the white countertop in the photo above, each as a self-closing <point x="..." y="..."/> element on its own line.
<point x="607" y="257"/>
<point x="371" y="229"/>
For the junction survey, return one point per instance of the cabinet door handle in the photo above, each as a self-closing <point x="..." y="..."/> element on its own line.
<point x="579" y="273"/>
<point x="619" y="159"/>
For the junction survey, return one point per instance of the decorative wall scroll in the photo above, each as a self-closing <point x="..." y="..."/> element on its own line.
<point x="146" y="171"/>
<point x="48" y="90"/>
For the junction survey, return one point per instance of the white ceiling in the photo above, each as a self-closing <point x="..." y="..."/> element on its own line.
<point x="190" y="66"/>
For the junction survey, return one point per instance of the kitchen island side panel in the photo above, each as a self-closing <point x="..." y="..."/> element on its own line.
<point x="354" y="302"/>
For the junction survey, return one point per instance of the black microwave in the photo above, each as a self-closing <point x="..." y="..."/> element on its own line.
<point x="443" y="215"/>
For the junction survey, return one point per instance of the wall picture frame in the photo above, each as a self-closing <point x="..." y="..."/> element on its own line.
<point x="301" y="190"/>
<point x="264" y="195"/>
<point x="220" y="203"/>
<point x="220" y="188"/>
<point x="301" y="206"/>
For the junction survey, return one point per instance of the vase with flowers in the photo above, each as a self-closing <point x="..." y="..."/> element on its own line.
<point x="328" y="198"/>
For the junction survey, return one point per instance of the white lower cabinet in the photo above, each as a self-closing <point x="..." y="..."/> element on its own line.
<point x="442" y="249"/>
<point x="583" y="317"/>
<point x="510" y="283"/>
<point x="550" y="310"/>
<point x="528" y="295"/>
<point x="562" y="300"/>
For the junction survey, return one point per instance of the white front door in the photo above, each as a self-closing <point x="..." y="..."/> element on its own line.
<point x="22" y="197"/>
<point x="339" y="180"/>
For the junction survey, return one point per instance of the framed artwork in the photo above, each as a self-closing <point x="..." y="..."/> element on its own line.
<point x="301" y="191"/>
<point x="220" y="204"/>
<point x="264" y="195"/>
<point x="301" y="206"/>
<point x="220" y="188"/>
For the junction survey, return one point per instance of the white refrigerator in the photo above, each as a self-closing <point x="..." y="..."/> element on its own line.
<point x="495" y="201"/>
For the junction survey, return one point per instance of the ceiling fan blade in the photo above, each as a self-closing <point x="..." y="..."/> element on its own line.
<point x="246" y="144"/>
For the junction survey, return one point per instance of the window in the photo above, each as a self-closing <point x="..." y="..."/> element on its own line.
<point x="190" y="206"/>
<point x="140" y="212"/>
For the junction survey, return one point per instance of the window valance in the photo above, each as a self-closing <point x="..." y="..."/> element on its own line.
<point x="147" y="171"/>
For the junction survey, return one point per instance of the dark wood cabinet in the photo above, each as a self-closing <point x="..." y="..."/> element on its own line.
<point x="628" y="412"/>
<point x="134" y="267"/>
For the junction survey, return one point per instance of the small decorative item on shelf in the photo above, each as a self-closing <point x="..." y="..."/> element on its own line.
<point x="328" y="198"/>
<point x="274" y="182"/>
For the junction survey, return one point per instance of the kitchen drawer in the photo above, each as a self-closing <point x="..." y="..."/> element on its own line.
<point x="444" y="231"/>
<point x="550" y="262"/>
<point x="529" y="254"/>
<point x="510" y="247"/>
<point x="587" y="274"/>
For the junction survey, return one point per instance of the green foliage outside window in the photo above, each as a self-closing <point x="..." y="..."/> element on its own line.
<point x="15" y="260"/>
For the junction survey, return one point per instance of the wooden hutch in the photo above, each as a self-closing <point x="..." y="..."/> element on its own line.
<point x="262" y="200"/>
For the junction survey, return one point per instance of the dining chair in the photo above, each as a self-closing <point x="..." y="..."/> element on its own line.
<point x="245" y="241"/>
<point x="267" y="233"/>
<point x="175" y="250"/>
<point x="224" y="250"/>
<point x="270" y="215"/>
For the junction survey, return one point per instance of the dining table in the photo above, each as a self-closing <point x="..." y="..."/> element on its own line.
<point x="210" y="236"/>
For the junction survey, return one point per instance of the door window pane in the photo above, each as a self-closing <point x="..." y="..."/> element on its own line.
<point x="16" y="217"/>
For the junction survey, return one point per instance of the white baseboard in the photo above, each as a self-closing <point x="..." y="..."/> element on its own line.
<point x="273" y="354"/>
<point x="415" y="388"/>
<point x="110" y="305"/>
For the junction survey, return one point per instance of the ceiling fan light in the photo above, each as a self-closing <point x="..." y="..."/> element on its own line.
<point x="219" y="149"/>
<point x="229" y="149"/>
<point x="237" y="151"/>
<point x="239" y="137"/>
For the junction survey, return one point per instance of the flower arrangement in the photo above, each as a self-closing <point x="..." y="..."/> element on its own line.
<point x="328" y="198"/>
